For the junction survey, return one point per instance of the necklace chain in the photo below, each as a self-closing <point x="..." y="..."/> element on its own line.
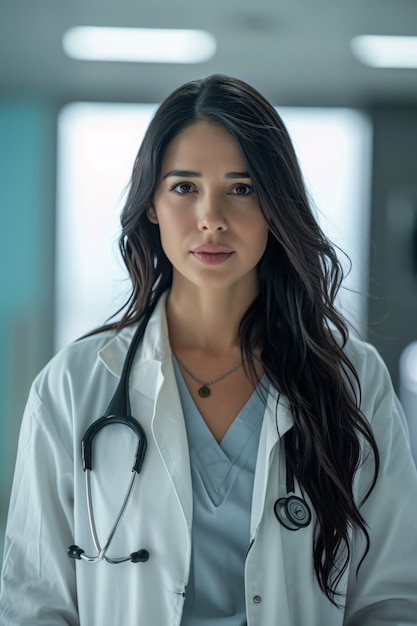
<point x="204" y="390"/>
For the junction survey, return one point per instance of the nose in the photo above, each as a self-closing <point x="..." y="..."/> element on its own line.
<point x="211" y="215"/>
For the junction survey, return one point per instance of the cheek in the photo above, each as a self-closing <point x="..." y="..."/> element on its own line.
<point x="173" y="229"/>
<point x="171" y="221"/>
<point x="260" y="233"/>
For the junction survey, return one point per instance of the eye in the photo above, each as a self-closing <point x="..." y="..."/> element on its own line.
<point x="181" y="187"/>
<point x="242" y="190"/>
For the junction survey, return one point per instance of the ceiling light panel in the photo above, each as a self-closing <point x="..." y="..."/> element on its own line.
<point x="386" y="51"/>
<point x="139" y="45"/>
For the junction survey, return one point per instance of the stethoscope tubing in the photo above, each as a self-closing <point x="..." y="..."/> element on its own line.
<point x="101" y="552"/>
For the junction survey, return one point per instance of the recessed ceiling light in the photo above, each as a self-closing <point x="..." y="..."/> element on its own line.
<point x="386" y="51"/>
<point x="138" y="45"/>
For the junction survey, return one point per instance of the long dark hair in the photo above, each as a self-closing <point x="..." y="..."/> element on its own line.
<point x="293" y="319"/>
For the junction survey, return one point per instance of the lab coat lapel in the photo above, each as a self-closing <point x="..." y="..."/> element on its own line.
<point x="168" y="427"/>
<point x="153" y="376"/>
<point x="277" y="421"/>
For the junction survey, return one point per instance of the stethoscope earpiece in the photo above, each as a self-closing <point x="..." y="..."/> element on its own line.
<point x="75" y="552"/>
<point x="141" y="556"/>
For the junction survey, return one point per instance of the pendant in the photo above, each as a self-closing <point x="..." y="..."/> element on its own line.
<point x="204" y="392"/>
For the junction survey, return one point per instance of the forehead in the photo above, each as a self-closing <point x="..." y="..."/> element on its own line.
<point x="205" y="141"/>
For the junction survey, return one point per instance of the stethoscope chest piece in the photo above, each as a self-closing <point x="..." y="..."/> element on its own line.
<point x="292" y="512"/>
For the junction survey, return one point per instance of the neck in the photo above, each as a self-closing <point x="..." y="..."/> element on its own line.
<point x="206" y="319"/>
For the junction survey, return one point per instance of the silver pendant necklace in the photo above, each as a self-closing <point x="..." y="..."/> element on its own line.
<point x="204" y="391"/>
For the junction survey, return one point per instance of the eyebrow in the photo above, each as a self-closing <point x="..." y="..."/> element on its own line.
<point x="182" y="173"/>
<point x="237" y="175"/>
<point x="191" y="174"/>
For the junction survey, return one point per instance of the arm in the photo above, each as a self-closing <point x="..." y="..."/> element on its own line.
<point x="38" y="579"/>
<point x="385" y="589"/>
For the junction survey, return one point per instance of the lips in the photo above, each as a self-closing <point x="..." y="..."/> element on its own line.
<point x="212" y="254"/>
<point x="212" y="248"/>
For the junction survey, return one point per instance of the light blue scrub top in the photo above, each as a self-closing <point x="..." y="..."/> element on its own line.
<point x="222" y="477"/>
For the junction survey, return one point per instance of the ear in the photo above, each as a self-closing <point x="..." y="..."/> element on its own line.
<point x="151" y="214"/>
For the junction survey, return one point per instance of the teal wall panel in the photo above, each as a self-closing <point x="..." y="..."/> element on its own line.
<point x="27" y="175"/>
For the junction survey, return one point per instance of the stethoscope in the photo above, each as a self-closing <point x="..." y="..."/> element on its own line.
<point x="118" y="412"/>
<point x="291" y="512"/>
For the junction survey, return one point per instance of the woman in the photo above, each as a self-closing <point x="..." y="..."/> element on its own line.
<point x="245" y="381"/>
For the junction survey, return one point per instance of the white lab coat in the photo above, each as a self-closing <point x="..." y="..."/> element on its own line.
<point x="41" y="586"/>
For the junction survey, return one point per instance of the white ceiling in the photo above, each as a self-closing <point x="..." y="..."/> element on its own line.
<point x="296" y="52"/>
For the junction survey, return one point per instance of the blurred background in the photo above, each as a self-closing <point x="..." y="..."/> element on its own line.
<point x="72" y="114"/>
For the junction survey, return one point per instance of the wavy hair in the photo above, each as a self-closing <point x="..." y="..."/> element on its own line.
<point x="293" y="319"/>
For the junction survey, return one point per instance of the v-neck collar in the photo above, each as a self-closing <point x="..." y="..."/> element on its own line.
<point x="218" y="464"/>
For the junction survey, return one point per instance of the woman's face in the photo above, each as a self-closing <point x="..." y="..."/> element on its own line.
<point x="211" y="227"/>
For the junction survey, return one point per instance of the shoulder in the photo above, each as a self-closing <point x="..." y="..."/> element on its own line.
<point x="366" y="360"/>
<point x="369" y="379"/>
<point x="378" y="399"/>
<point x="74" y="369"/>
<point x="61" y="389"/>
<point x="83" y="351"/>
